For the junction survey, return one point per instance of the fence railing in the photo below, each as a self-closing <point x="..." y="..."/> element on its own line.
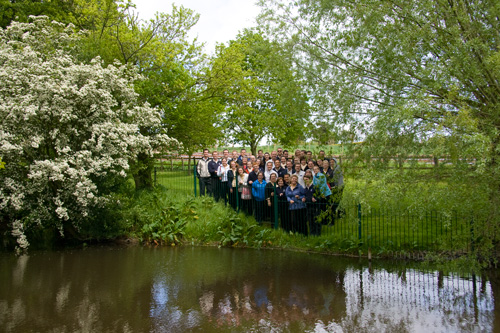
<point x="381" y="230"/>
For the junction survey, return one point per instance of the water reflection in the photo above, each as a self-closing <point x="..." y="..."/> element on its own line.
<point x="206" y="289"/>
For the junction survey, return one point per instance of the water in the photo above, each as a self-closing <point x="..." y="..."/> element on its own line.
<point x="137" y="289"/>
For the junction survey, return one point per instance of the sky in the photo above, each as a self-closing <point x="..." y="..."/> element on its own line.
<point x="220" y="20"/>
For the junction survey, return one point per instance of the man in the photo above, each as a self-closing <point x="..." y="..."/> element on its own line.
<point x="225" y="154"/>
<point x="309" y="155"/>
<point x="269" y="171"/>
<point x="203" y="174"/>
<point x="297" y="153"/>
<point x="279" y="170"/>
<point x="274" y="155"/>
<point x="252" y="159"/>
<point x="285" y="153"/>
<point x="280" y="153"/>
<point x="289" y="167"/>
<point x="213" y="166"/>
<point x="260" y="154"/>
<point x="321" y="155"/>
<point x="243" y="153"/>
<point x="300" y="175"/>
<point x="234" y="157"/>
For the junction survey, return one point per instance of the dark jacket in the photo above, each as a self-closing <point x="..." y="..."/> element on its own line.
<point x="281" y="172"/>
<point x="213" y="166"/>
<point x="309" y="193"/>
<point x="252" y="176"/>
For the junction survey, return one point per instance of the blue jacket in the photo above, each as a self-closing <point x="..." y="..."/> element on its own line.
<point x="321" y="186"/>
<point x="290" y="195"/>
<point x="259" y="190"/>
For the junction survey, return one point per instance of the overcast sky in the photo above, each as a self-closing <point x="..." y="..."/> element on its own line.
<point x="220" y="20"/>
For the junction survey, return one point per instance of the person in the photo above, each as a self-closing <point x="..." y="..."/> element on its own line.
<point x="303" y="164"/>
<point x="297" y="153"/>
<point x="274" y="155"/>
<point x="269" y="171"/>
<point x="234" y="157"/>
<point x="328" y="172"/>
<point x="225" y="153"/>
<point x="243" y="153"/>
<point x="300" y="174"/>
<point x="311" y="206"/>
<point x="286" y="179"/>
<point x="310" y="165"/>
<point x="248" y="167"/>
<point x="280" y="152"/>
<point x="309" y="155"/>
<point x="285" y="153"/>
<point x="289" y="168"/>
<point x="223" y="180"/>
<point x="323" y="192"/>
<point x="252" y="176"/>
<point x="245" y="192"/>
<point x="267" y="157"/>
<point x="260" y="154"/>
<point x="270" y="205"/>
<point x="297" y="206"/>
<point x="232" y="184"/>
<point x="321" y="155"/>
<point x="259" y="196"/>
<point x="279" y="170"/>
<point x="203" y="174"/>
<point x="213" y="165"/>
<point x="283" y="162"/>
<point x="283" y="211"/>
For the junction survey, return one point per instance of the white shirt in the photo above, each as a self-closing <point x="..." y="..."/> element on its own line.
<point x="222" y="172"/>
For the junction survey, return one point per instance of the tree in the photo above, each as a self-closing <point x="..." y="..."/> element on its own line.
<point x="68" y="130"/>
<point x="262" y="96"/>
<point x="408" y="78"/>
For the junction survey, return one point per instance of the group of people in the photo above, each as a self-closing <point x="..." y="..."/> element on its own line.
<point x="298" y="192"/>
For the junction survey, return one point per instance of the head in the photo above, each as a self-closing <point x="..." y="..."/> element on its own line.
<point x="321" y="154"/>
<point x="311" y="164"/>
<point x="273" y="177"/>
<point x="269" y="165"/>
<point x="215" y="155"/>
<point x="283" y="161"/>
<point x="249" y="165"/>
<point x="266" y="156"/>
<point x="225" y="153"/>
<point x="260" y="153"/>
<point x="235" y="154"/>
<point x="274" y="154"/>
<point x="260" y="176"/>
<point x="297" y="153"/>
<point x="256" y="166"/>
<point x="280" y="181"/>
<point x="243" y="152"/>
<point x="307" y="178"/>
<point x="296" y="160"/>
<point x="303" y="161"/>
<point x="285" y="153"/>
<point x="308" y="172"/>
<point x="244" y="160"/>
<point x="286" y="179"/>
<point x="294" y="179"/>
<point x="289" y="165"/>
<point x="252" y="158"/>
<point x="319" y="162"/>
<point x="206" y="153"/>
<point x="240" y="171"/>
<point x="224" y="161"/>
<point x="333" y="163"/>
<point x="297" y="167"/>
<point x="309" y="154"/>
<point x="232" y="165"/>
<point x="277" y="164"/>
<point x="316" y="169"/>
<point x="325" y="164"/>
<point x="280" y="151"/>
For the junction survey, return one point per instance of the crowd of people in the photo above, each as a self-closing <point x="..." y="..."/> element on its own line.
<point x="298" y="192"/>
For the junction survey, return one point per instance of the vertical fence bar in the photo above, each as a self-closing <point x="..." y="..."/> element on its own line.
<point x="194" y="178"/>
<point x="275" y="208"/>
<point x="359" y="222"/>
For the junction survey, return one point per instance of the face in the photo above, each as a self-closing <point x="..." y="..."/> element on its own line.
<point x="269" y="166"/>
<point x="277" y="164"/>
<point x="332" y="163"/>
<point x="325" y="164"/>
<point x="243" y="152"/>
<point x="296" y="161"/>
<point x="235" y="154"/>
<point x="226" y="153"/>
<point x="249" y="165"/>
<point x="260" y="153"/>
<point x="283" y="160"/>
<point x="303" y="162"/>
<point x="244" y="160"/>
<point x="293" y="180"/>
<point x="266" y="156"/>
<point x="297" y="167"/>
<point x="240" y="171"/>
<point x="297" y="152"/>
<point x="260" y="176"/>
<point x="256" y="166"/>
<point x="224" y="162"/>
<point x="309" y="154"/>
<point x="316" y="169"/>
<point x="289" y="164"/>
<point x="310" y="164"/>
<point x="285" y="153"/>
<point x="214" y="155"/>
<point x="205" y="153"/>
<point x="274" y="154"/>
<point x="232" y="164"/>
<point x="252" y="158"/>
<point x="273" y="178"/>
<point x="286" y="178"/>
<point x="307" y="179"/>
<point x="280" y="182"/>
<point x="280" y="151"/>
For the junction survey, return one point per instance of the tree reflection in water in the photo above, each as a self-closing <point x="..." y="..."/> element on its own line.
<point x="212" y="290"/>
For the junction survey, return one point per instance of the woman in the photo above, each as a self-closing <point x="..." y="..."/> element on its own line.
<point x="270" y="205"/>
<point x="259" y="196"/>
<point x="328" y="172"/>
<point x="303" y="164"/>
<point x="323" y="192"/>
<point x="297" y="206"/>
<point x="311" y="206"/>
<point x="283" y="211"/>
<point x="244" y="191"/>
<point x="248" y="167"/>
<point x="232" y="183"/>
<point x="223" y="180"/>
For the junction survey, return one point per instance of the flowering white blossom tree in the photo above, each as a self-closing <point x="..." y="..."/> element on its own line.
<point x="67" y="129"/>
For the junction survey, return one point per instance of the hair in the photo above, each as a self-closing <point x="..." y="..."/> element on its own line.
<point x="308" y="172"/>
<point x="285" y="151"/>
<point x="260" y="173"/>
<point x="204" y="150"/>
<point x="238" y="169"/>
<point x="222" y="159"/>
<point x="294" y="175"/>
<point x="225" y="150"/>
<point x="280" y="178"/>
<point x="273" y="174"/>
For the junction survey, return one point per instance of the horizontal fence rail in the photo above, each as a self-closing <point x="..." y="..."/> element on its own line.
<point x="380" y="230"/>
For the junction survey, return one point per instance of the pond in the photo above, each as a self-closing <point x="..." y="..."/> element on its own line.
<point x="142" y="289"/>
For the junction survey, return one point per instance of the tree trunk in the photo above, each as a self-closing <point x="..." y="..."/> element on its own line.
<point x="144" y="169"/>
<point x="253" y="148"/>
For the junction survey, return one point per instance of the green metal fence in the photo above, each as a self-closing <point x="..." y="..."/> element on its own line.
<point x="381" y="230"/>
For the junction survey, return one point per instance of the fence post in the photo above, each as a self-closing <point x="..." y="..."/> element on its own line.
<point x="359" y="222"/>
<point x="194" y="178"/>
<point x="237" y="194"/>
<point x="154" y="177"/>
<point x="275" y="208"/>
